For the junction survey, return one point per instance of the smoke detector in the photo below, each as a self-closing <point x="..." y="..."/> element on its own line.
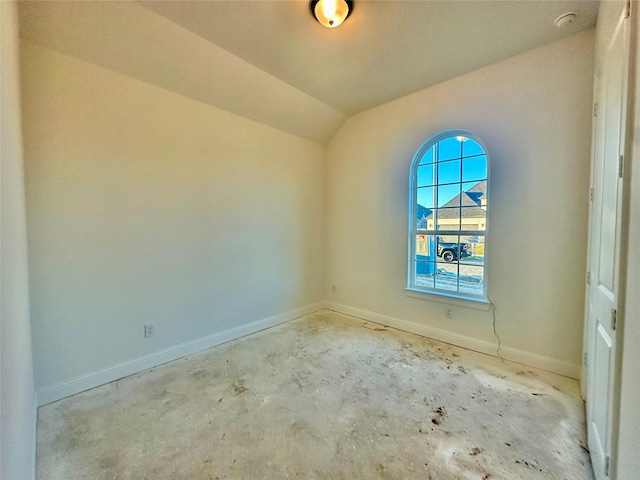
<point x="565" y="19"/>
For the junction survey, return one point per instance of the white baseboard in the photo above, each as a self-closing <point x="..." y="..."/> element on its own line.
<point x="482" y="346"/>
<point x="115" y="372"/>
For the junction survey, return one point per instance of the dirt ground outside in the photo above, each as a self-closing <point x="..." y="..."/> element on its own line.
<point x="447" y="276"/>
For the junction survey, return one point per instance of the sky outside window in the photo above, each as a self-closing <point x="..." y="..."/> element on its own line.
<point x="457" y="159"/>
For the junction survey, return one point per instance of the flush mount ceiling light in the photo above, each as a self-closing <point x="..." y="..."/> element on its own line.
<point x="331" y="13"/>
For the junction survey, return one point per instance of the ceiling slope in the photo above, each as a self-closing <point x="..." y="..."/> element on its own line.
<point x="385" y="49"/>
<point x="135" y="41"/>
<point x="271" y="62"/>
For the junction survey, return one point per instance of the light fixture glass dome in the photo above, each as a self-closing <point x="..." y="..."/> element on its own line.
<point x="330" y="13"/>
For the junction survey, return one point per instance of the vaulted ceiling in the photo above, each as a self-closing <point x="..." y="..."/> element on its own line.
<point x="271" y="62"/>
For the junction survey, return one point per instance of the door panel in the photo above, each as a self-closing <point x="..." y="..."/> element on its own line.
<point x="601" y="394"/>
<point x="614" y="66"/>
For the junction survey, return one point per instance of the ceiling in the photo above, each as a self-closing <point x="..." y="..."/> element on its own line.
<point x="270" y="61"/>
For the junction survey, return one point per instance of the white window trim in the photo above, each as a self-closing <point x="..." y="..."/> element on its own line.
<point x="450" y="298"/>
<point x="443" y="296"/>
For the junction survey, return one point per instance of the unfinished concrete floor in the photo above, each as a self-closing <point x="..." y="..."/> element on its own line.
<point x="323" y="397"/>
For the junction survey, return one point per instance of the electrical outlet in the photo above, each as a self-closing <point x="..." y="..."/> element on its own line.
<point x="149" y="330"/>
<point x="448" y="312"/>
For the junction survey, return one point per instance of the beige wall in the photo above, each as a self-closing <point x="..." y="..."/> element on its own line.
<point x="17" y="395"/>
<point x="533" y="113"/>
<point x="148" y="207"/>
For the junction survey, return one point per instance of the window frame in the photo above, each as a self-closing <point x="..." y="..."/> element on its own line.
<point x="480" y="301"/>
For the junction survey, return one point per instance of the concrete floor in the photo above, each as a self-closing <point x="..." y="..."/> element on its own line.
<point x="323" y="397"/>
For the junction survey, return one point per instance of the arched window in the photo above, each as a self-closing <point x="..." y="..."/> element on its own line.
<point x="448" y="206"/>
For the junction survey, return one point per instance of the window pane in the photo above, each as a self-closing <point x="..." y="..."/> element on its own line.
<point x="425" y="248"/>
<point x="473" y="218"/>
<point x="471" y="279"/>
<point x="426" y="175"/>
<point x="421" y="217"/>
<point x="451" y="248"/>
<point x="448" y="219"/>
<point x="449" y="195"/>
<point x="474" y="194"/>
<point x="474" y="249"/>
<point x="474" y="168"/>
<point x="425" y="274"/>
<point x="429" y="157"/>
<point x="447" y="276"/>
<point x="426" y="197"/>
<point x="424" y="261"/>
<point x="449" y="148"/>
<point x="449" y="172"/>
<point x="469" y="147"/>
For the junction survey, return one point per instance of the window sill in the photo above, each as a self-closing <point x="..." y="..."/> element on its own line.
<point x="450" y="299"/>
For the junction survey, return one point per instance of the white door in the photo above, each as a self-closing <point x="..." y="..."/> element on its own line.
<point x="605" y="233"/>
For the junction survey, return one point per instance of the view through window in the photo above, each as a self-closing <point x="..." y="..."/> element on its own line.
<point x="448" y="222"/>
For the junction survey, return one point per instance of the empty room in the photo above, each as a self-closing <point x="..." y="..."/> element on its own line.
<point x="320" y="239"/>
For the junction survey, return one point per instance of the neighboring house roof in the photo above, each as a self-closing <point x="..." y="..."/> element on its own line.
<point x="478" y="191"/>
<point x="471" y="199"/>
<point x="422" y="212"/>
